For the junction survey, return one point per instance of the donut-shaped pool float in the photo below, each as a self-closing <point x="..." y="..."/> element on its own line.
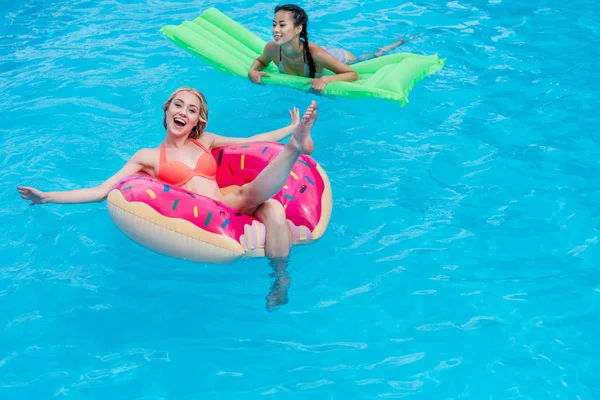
<point x="175" y="222"/>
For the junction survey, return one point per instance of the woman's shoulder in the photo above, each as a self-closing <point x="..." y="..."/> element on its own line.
<point x="314" y="46"/>
<point x="147" y="151"/>
<point x="271" y="47"/>
<point x="315" y="50"/>
<point x="207" y="139"/>
<point x="146" y="156"/>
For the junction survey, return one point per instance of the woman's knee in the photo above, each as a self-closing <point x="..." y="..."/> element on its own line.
<point x="271" y="212"/>
<point x="247" y="200"/>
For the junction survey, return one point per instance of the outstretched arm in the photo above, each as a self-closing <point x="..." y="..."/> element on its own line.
<point x="139" y="161"/>
<point x="272" y="136"/>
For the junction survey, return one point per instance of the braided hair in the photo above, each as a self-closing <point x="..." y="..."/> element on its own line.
<point x="300" y="18"/>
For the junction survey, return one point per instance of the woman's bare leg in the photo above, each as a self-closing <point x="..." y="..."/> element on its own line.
<point x="278" y="293"/>
<point x="255" y="198"/>
<point x="384" y="49"/>
<point x="277" y="231"/>
<point x="270" y="180"/>
<point x="277" y="249"/>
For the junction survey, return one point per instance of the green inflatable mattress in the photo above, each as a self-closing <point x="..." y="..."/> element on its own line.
<point x="228" y="46"/>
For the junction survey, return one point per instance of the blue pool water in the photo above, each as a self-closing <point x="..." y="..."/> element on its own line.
<point x="461" y="260"/>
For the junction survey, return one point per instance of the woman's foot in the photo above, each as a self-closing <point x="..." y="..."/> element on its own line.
<point x="301" y="139"/>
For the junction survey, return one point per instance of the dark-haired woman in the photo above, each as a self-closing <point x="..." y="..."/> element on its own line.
<point x="293" y="54"/>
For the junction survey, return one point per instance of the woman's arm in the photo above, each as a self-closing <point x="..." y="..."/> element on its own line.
<point x="139" y="161"/>
<point x="272" y="136"/>
<point x="342" y="71"/>
<point x="255" y="74"/>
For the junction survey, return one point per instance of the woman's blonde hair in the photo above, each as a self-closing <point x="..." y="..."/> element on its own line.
<point x="202" y="112"/>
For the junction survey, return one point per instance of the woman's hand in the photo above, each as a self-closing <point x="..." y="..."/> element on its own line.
<point x="295" y="116"/>
<point x="255" y="76"/>
<point x="318" y="84"/>
<point x="31" y="194"/>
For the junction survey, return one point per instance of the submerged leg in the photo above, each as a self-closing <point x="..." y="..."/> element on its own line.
<point x="277" y="249"/>
<point x="392" y="46"/>
<point x="385" y="49"/>
<point x="278" y="294"/>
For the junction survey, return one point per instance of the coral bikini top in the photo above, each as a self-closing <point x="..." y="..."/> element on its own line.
<point x="177" y="173"/>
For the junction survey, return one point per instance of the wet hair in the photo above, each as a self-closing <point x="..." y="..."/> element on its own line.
<point x="202" y="112"/>
<point x="300" y="18"/>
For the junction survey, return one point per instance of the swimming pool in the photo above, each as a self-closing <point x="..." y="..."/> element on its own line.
<point x="461" y="256"/>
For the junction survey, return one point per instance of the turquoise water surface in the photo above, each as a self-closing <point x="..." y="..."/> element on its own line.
<point x="461" y="259"/>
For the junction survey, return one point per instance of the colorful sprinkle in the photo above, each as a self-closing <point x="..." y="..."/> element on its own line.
<point x="284" y="206"/>
<point x="309" y="180"/>
<point x="242" y="161"/>
<point x="195" y="211"/>
<point x="225" y="223"/>
<point x="285" y="186"/>
<point x="231" y="169"/>
<point x="167" y="188"/>
<point x="287" y="196"/>
<point x="245" y="147"/>
<point x="175" y="204"/>
<point x="238" y="214"/>
<point x="292" y="173"/>
<point x="151" y="194"/>
<point x="126" y="188"/>
<point x="303" y="188"/>
<point x="264" y="150"/>
<point x="208" y="217"/>
<point x="220" y="157"/>
<point x="305" y="163"/>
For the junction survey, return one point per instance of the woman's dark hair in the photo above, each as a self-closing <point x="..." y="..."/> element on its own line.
<point x="300" y="18"/>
